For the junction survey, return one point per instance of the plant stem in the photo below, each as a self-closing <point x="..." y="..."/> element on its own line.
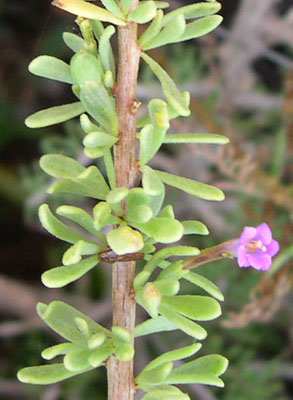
<point x="120" y="373"/>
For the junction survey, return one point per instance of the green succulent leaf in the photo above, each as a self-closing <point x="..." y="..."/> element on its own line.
<point x="170" y="90"/>
<point x="152" y="30"/>
<point x="96" y="340"/>
<point x="73" y="41"/>
<point x="79" y="216"/>
<point x="192" y="227"/>
<point x="85" y="67"/>
<point x="45" y="374"/>
<point x="195" y="188"/>
<point x="178" y="354"/>
<point x="77" y="360"/>
<point x="167" y="211"/>
<point x="60" y="276"/>
<point x="143" y="13"/>
<point x="51" y="68"/>
<point x="126" y="5"/>
<point x="61" y="317"/>
<point x="167" y="287"/>
<point x="205" y="370"/>
<point x="100" y="105"/>
<point x="100" y="355"/>
<point x="125" y="240"/>
<point x="155" y="375"/>
<point x="193" y="11"/>
<point x="54" y="115"/>
<point x="112" y="6"/>
<point x="74" y="253"/>
<point x="151" y="182"/>
<point x="139" y="214"/>
<point x="88" y="10"/>
<point x="105" y="49"/>
<point x="57" y="350"/>
<point x="205" y="284"/>
<point x="92" y="178"/>
<point x="163" y="230"/>
<point x="200" y="308"/>
<point x="165" y="392"/>
<point x="154" y="325"/>
<point x="186" y="325"/>
<point x="60" y="166"/>
<point x="170" y="33"/>
<point x="212" y="138"/>
<point x="56" y="227"/>
<point x="200" y="27"/>
<point x="109" y="165"/>
<point x="116" y="195"/>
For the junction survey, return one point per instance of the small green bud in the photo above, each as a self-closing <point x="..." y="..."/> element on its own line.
<point x="96" y="340"/>
<point x="151" y="298"/>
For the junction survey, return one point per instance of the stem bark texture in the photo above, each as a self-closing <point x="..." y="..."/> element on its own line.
<point x="120" y="373"/>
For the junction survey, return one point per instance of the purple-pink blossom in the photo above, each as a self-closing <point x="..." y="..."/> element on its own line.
<point x="256" y="247"/>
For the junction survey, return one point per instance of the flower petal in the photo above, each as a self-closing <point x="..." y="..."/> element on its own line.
<point x="273" y="248"/>
<point x="260" y="261"/>
<point x="242" y="257"/>
<point x="247" y="234"/>
<point x="264" y="233"/>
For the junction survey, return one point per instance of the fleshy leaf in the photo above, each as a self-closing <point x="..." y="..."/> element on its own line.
<point x="192" y="187"/>
<point x="170" y="90"/>
<point x="57" y="350"/>
<point x="51" y="68"/>
<point x="74" y="253"/>
<point x="152" y="135"/>
<point x="200" y="27"/>
<point x="154" y="325"/>
<point x="105" y="49"/>
<point x="112" y="6"/>
<point x="54" y="115"/>
<point x="61" y="317"/>
<point x="163" y="230"/>
<point x="205" y="370"/>
<point x="99" y="356"/>
<point x="95" y="139"/>
<point x="192" y="227"/>
<point x="76" y="188"/>
<point x="45" y="374"/>
<point x="79" y="216"/>
<point x="170" y="33"/>
<point x="200" y="308"/>
<point x="143" y="13"/>
<point x="77" y="360"/>
<point x="60" y="166"/>
<point x="73" y="41"/>
<point x="100" y="105"/>
<point x="155" y="375"/>
<point x="116" y="195"/>
<point x="139" y="214"/>
<point x="56" y="227"/>
<point x="212" y="138"/>
<point x="96" y="340"/>
<point x="205" y="284"/>
<point x="167" y="287"/>
<point x="186" y="325"/>
<point x="152" y="30"/>
<point x="193" y="11"/>
<point x="85" y="67"/>
<point x="178" y="354"/>
<point x="165" y="392"/>
<point x="87" y="10"/>
<point x="151" y="182"/>
<point x="125" y="240"/>
<point x="93" y="178"/>
<point x="60" y="276"/>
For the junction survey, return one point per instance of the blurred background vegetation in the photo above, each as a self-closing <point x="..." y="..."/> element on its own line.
<point x="241" y="82"/>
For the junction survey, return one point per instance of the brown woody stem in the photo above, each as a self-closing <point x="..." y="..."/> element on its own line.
<point x="120" y="373"/>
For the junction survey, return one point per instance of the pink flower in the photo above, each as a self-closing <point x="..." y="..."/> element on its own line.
<point x="256" y="247"/>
